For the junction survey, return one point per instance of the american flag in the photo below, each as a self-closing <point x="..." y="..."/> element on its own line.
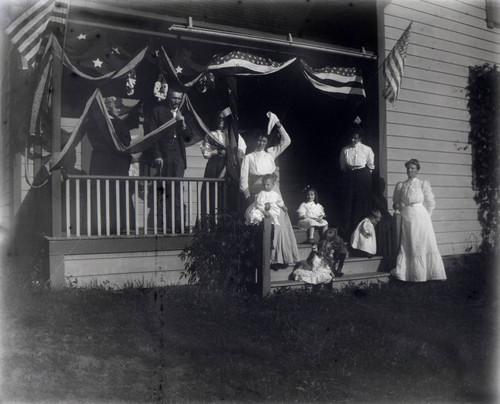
<point x="245" y="64"/>
<point x="31" y="29"/>
<point x="394" y="65"/>
<point x="339" y="82"/>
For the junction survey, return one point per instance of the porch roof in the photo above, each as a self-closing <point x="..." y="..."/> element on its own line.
<point x="343" y="23"/>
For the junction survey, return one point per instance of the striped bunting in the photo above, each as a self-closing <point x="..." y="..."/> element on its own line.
<point x="245" y="64"/>
<point x="30" y="29"/>
<point x="394" y="65"/>
<point x="335" y="81"/>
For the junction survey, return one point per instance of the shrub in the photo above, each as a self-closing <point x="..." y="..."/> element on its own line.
<point x="483" y="107"/>
<point x="222" y="256"/>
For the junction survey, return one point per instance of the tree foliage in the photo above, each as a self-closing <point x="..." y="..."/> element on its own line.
<point x="483" y="137"/>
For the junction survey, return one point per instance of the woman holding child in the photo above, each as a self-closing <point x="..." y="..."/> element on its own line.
<point x="254" y="166"/>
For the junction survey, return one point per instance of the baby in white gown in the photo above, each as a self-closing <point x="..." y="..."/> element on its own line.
<point x="267" y="203"/>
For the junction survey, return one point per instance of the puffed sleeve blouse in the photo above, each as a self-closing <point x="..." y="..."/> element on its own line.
<point x="413" y="191"/>
<point x="262" y="162"/>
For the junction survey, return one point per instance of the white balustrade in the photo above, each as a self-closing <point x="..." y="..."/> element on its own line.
<point x="97" y="206"/>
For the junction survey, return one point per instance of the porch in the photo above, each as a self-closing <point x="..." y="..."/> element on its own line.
<point x="122" y="232"/>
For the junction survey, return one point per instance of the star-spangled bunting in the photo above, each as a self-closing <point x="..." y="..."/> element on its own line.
<point x="95" y="114"/>
<point x="245" y="64"/>
<point x="394" y="65"/>
<point x="339" y="82"/>
<point x="94" y="52"/>
<point x="30" y="31"/>
<point x="94" y="55"/>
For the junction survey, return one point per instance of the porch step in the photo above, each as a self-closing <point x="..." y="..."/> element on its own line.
<point x="359" y="280"/>
<point x="352" y="266"/>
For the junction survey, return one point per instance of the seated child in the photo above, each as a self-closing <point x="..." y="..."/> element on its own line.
<point x="324" y="261"/>
<point x="311" y="214"/>
<point x="340" y="251"/>
<point x="316" y="268"/>
<point x="363" y="238"/>
<point x="267" y="203"/>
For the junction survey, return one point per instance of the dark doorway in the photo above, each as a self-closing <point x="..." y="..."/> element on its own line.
<point x="318" y="125"/>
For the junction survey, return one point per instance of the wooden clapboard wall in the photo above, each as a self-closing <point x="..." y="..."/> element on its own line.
<point x="430" y="119"/>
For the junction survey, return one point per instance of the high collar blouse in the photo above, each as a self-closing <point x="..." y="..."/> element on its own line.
<point x="262" y="162"/>
<point x="357" y="156"/>
<point x="414" y="191"/>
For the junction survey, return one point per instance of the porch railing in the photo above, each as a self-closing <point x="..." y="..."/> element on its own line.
<point x="114" y="205"/>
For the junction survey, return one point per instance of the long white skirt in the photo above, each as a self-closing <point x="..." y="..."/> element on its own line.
<point x="418" y="259"/>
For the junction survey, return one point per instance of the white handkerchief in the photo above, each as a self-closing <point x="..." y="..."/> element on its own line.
<point x="272" y="121"/>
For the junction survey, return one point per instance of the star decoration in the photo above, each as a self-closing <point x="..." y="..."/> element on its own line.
<point x="82" y="36"/>
<point x="115" y="50"/>
<point x="97" y="63"/>
<point x="178" y="69"/>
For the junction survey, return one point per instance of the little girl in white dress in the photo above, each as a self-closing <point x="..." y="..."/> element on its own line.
<point x="311" y="215"/>
<point x="267" y="203"/>
<point x="363" y="237"/>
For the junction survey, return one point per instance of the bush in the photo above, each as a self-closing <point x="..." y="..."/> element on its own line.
<point x="483" y="107"/>
<point x="222" y="256"/>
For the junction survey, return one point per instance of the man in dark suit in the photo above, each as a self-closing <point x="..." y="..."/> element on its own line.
<point x="169" y="151"/>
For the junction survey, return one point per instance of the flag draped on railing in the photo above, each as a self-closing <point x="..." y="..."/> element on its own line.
<point x="394" y="65"/>
<point x="339" y="82"/>
<point x="30" y="31"/>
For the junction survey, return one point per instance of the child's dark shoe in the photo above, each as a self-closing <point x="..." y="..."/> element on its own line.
<point x="339" y="274"/>
<point x="311" y="240"/>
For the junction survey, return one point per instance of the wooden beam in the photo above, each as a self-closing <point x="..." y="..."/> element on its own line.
<point x="265" y="275"/>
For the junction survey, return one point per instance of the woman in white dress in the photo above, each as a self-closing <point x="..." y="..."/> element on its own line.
<point x="418" y="258"/>
<point x="254" y="166"/>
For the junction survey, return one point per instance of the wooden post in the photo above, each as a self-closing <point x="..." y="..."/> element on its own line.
<point x="265" y="274"/>
<point x="56" y="206"/>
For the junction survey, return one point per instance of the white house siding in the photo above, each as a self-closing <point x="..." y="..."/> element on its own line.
<point x="430" y="119"/>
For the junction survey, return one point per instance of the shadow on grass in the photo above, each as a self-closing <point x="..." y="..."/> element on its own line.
<point x="395" y="342"/>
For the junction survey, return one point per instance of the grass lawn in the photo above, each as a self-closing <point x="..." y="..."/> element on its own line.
<point x="412" y="343"/>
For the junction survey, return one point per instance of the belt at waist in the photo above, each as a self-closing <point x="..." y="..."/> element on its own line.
<point x="410" y="205"/>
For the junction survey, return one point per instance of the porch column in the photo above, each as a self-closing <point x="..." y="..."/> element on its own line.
<point x="56" y="147"/>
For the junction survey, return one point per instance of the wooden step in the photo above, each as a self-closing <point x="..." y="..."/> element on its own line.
<point x="359" y="280"/>
<point x="352" y="266"/>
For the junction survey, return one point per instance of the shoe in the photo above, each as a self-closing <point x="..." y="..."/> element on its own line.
<point x="339" y="274"/>
<point x="311" y="241"/>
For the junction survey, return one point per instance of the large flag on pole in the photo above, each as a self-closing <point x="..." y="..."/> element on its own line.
<point x="394" y="65"/>
<point x="29" y="32"/>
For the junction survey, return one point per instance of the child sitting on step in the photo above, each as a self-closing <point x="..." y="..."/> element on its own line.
<point x="311" y="215"/>
<point x="339" y="247"/>
<point x="267" y="203"/>
<point x="363" y="238"/>
<point x="320" y="266"/>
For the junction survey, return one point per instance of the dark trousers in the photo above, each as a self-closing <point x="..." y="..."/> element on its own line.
<point x="173" y="166"/>
<point x="213" y="169"/>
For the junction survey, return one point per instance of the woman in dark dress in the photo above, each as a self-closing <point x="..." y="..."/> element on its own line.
<point x="106" y="160"/>
<point x="213" y="148"/>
